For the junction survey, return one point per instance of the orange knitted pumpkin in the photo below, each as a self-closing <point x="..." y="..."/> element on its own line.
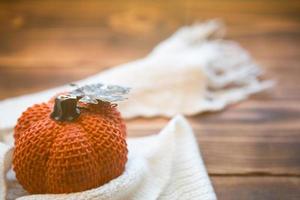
<point x="73" y="149"/>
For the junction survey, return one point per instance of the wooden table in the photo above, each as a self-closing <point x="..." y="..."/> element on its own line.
<point x="251" y="150"/>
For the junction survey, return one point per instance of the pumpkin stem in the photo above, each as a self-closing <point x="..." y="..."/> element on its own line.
<point x="65" y="108"/>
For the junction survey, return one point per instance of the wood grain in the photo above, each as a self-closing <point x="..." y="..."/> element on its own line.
<point x="257" y="187"/>
<point x="251" y="149"/>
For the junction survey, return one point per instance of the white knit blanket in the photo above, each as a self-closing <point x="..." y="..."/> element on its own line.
<point x="193" y="71"/>
<point x="166" y="166"/>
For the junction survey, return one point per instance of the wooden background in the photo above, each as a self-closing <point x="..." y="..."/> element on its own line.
<point x="251" y="150"/>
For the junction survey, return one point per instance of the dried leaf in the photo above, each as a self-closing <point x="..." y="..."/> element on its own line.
<point x="100" y="92"/>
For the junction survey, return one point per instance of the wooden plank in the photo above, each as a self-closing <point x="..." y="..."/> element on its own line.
<point x="46" y="46"/>
<point x="37" y="33"/>
<point x="50" y="12"/>
<point x="61" y="47"/>
<point x="252" y="155"/>
<point x="256" y="188"/>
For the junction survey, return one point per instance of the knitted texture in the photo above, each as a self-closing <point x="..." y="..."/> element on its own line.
<point x="164" y="166"/>
<point x="64" y="157"/>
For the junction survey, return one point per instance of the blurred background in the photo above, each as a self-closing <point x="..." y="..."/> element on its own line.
<point x="251" y="150"/>
<point x="47" y="43"/>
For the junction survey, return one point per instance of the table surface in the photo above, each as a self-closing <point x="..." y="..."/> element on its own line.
<point x="251" y="150"/>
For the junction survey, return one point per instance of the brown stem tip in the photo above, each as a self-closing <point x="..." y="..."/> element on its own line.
<point x="65" y="108"/>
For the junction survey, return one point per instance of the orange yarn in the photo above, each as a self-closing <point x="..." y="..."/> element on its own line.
<point x="62" y="157"/>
